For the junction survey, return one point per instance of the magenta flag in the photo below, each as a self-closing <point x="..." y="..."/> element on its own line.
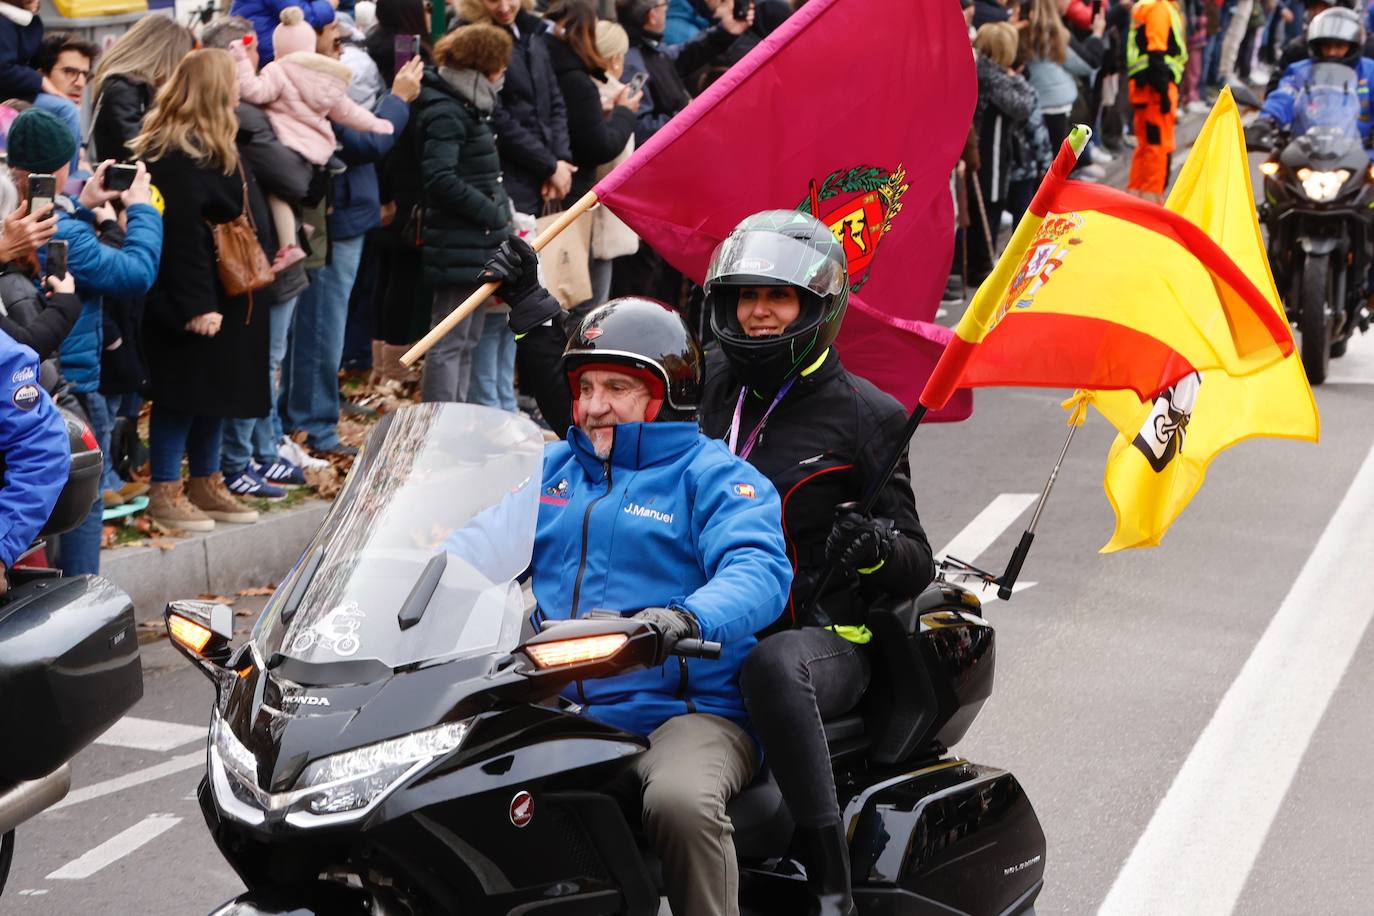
<point x="856" y="110"/>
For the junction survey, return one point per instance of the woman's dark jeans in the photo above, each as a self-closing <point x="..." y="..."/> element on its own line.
<point x="791" y="681"/>
<point x="172" y="434"/>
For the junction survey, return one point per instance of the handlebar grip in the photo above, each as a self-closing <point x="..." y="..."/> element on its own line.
<point x="697" y="648"/>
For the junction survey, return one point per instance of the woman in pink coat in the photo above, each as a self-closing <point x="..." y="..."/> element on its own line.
<point x="301" y="91"/>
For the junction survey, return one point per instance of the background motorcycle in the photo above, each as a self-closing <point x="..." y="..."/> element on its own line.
<point x="69" y="664"/>
<point x="437" y="770"/>
<point x="1318" y="190"/>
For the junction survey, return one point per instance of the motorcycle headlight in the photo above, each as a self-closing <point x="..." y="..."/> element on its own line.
<point x="356" y="779"/>
<point x="1323" y="186"/>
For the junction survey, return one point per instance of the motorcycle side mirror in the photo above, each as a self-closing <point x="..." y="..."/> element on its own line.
<point x="202" y="631"/>
<point x="1244" y="95"/>
<point x="591" y="647"/>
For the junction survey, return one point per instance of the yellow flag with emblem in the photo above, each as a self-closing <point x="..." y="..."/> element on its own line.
<point x="1163" y="446"/>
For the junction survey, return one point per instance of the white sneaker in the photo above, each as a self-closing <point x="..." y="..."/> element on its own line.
<point x="1196" y="106"/>
<point x="1099" y="156"/>
<point x="1090" y="172"/>
<point x="293" y="452"/>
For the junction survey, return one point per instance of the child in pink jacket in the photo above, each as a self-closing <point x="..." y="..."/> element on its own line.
<point x="301" y="91"/>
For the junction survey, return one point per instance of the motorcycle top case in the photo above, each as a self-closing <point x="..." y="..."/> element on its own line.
<point x="69" y="669"/>
<point x="83" y="479"/>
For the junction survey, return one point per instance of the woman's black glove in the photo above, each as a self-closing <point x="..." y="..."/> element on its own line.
<point x="859" y="543"/>
<point x="515" y="265"/>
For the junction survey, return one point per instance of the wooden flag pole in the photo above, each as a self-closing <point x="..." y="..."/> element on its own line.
<point x="469" y="304"/>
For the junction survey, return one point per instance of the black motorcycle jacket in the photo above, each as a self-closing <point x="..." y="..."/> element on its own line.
<point x="826" y="439"/>
<point x="824" y="442"/>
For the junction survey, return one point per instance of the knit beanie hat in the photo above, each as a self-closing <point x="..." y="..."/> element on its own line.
<point x="293" y="34"/>
<point x="611" y="40"/>
<point x="38" y="141"/>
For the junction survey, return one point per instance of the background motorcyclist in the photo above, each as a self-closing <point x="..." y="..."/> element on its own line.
<point x="639" y="508"/>
<point x="1335" y="36"/>
<point x="777" y="391"/>
<point x="34" y="452"/>
<point x="1296" y="49"/>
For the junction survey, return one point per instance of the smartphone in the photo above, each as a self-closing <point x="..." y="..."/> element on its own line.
<point x="741" y="9"/>
<point x="42" y="192"/>
<point x="407" y="49"/>
<point x="120" y="176"/>
<point x="56" y="258"/>
<point x="637" y="81"/>
<point x="1097" y="8"/>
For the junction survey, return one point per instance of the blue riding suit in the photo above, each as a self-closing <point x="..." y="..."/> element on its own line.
<point x="672" y="519"/>
<point x="34" y="448"/>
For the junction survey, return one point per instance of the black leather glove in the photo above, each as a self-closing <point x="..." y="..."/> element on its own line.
<point x="857" y="542"/>
<point x="515" y="265"/>
<point x="673" y="623"/>
<point x="1259" y="135"/>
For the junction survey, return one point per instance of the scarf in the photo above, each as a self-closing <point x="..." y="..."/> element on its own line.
<point x="474" y="88"/>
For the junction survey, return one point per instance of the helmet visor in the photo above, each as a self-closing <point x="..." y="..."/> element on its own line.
<point x="765" y="258"/>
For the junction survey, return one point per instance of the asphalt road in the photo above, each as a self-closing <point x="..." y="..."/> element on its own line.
<point x="1191" y="722"/>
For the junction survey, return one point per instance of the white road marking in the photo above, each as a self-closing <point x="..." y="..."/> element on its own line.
<point x="1197" y="852"/>
<point x="1356" y="367"/>
<point x="33" y="892"/>
<point x="115" y="848"/>
<point x="981" y="533"/>
<point x="129" y="780"/>
<point x="150" y="734"/>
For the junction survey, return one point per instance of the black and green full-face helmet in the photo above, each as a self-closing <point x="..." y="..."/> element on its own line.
<point x="778" y="248"/>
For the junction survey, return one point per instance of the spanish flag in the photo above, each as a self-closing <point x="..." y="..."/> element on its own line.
<point x="1165" y="443"/>
<point x="1101" y="290"/>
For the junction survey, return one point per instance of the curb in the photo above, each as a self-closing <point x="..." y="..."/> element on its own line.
<point x="219" y="562"/>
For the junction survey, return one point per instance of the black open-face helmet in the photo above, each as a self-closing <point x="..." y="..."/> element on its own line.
<point x="644" y="338"/>
<point x="778" y="248"/>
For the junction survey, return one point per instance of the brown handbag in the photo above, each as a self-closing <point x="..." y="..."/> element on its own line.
<point x="243" y="267"/>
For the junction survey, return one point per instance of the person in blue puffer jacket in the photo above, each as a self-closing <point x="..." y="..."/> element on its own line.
<point x="643" y="515"/>
<point x="266" y="14"/>
<point x="34" y="452"/>
<point x="40" y="143"/>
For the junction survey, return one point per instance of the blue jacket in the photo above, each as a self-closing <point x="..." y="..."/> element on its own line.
<point x="672" y="520"/>
<point x="357" y="198"/>
<point x="100" y="270"/>
<point x="34" y="449"/>
<point x="266" y="16"/>
<point x="1278" y="105"/>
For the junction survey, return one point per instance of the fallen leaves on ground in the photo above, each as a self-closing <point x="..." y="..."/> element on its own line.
<point x="217" y="599"/>
<point x="256" y="591"/>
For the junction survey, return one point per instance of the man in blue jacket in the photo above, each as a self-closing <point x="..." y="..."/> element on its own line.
<point x="34" y="454"/>
<point x="310" y="374"/>
<point x="39" y="143"/>
<point x="644" y="515"/>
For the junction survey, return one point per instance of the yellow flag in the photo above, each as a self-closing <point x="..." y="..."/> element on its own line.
<point x="1161" y="454"/>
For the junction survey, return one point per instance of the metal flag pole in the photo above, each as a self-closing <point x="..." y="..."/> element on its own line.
<point x="1007" y="581"/>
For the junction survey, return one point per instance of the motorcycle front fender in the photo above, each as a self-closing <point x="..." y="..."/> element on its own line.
<point x="1325" y="245"/>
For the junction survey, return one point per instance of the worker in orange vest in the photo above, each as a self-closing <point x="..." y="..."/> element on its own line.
<point x="1156" y="52"/>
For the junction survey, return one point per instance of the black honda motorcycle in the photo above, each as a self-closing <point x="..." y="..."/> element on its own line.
<point x="1318" y="193"/>
<point x="69" y="663"/>
<point x="391" y="740"/>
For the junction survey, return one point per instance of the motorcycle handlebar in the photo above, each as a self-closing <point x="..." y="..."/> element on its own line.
<point x="697" y="648"/>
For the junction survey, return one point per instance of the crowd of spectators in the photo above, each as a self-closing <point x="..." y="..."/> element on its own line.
<point x="378" y="162"/>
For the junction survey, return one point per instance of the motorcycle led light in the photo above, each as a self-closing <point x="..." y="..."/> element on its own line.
<point x="1321" y="187"/>
<point x="189" y="633"/>
<point x="573" y="651"/>
<point x="237" y="758"/>
<point x="1269" y="168"/>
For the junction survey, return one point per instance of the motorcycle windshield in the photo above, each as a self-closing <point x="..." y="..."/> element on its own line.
<point x="418" y="557"/>
<point x="1328" y="102"/>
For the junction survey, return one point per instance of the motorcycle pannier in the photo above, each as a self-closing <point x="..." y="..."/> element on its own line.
<point x="69" y="669"/>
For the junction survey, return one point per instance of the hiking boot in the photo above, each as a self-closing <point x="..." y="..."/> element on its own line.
<point x="393" y="369"/>
<point x="169" y="507"/>
<point x="211" y="496"/>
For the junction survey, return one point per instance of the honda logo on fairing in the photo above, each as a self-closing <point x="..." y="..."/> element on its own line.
<point x="522" y="809"/>
<point x="306" y="701"/>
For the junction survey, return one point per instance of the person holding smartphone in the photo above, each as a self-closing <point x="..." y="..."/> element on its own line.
<point x="40" y="152"/>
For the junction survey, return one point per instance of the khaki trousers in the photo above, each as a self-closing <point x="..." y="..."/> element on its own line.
<point x="694" y="765"/>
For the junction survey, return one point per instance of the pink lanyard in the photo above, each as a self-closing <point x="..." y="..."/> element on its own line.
<point x="739" y="410"/>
